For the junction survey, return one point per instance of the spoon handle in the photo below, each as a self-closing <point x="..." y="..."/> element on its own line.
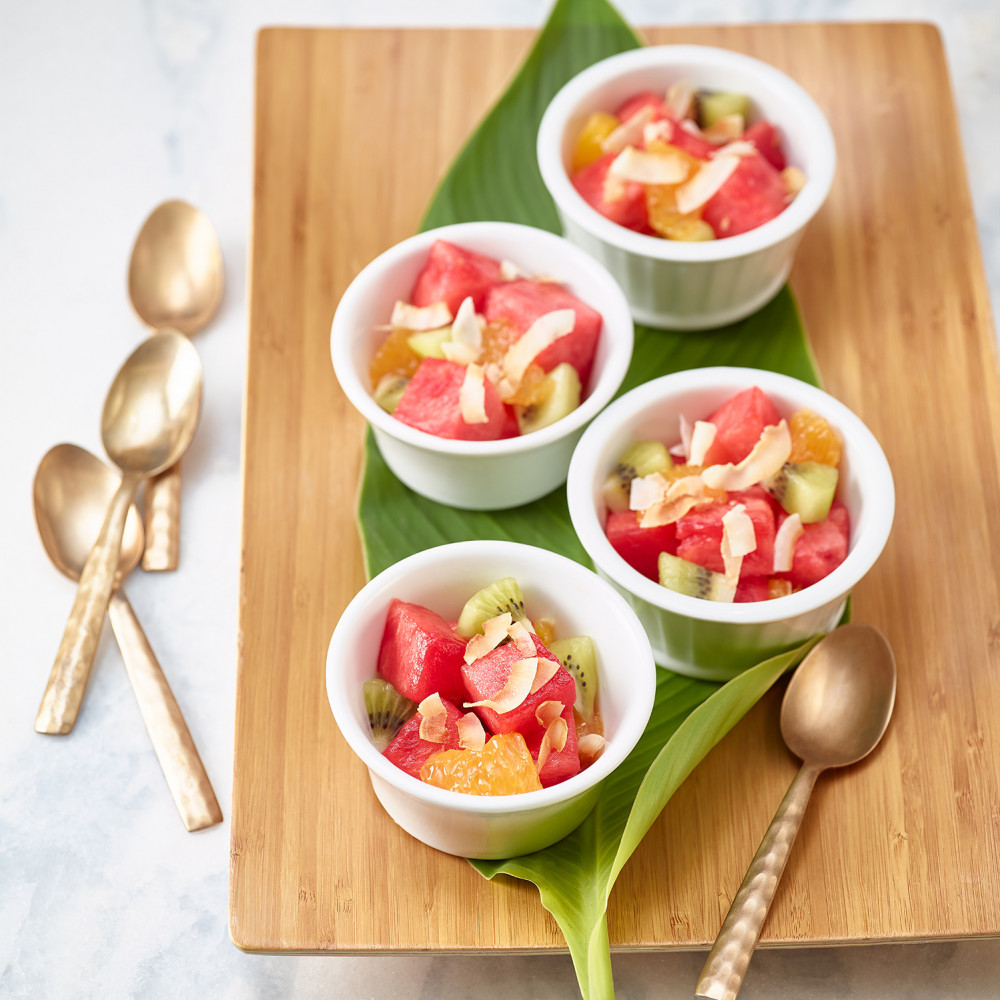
<point x="161" y="514"/>
<point x="727" y="962"/>
<point x="71" y="670"/>
<point x="182" y="767"/>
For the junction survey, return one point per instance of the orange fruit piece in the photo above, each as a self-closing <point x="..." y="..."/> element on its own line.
<point x="776" y="587"/>
<point x="394" y="357"/>
<point x="596" y="129"/>
<point x="813" y="439"/>
<point x="503" y="767"/>
<point x="661" y="204"/>
<point x="545" y="629"/>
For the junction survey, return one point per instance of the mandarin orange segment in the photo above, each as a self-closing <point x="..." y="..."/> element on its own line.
<point x="533" y="390"/>
<point x="394" y="357"/>
<point x="545" y="629"/>
<point x="503" y="767"/>
<point x="596" y="129"/>
<point x="498" y="335"/>
<point x="776" y="587"/>
<point x="813" y="439"/>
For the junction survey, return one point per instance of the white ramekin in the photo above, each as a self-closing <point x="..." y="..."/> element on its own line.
<point x="580" y="602"/>
<point x="678" y="285"/>
<point x="480" y="475"/>
<point x="709" y="639"/>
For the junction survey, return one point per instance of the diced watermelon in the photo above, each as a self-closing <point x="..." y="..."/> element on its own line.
<point x="410" y="752"/>
<point x="765" y="137"/>
<point x="738" y="426"/>
<point x="521" y="302"/>
<point x="559" y="764"/>
<point x="751" y="588"/>
<point x="629" y="210"/>
<point x="420" y="653"/>
<point x="452" y="273"/>
<point x="488" y="674"/>
<point x="644" y="99"/>
<point x="699" y="534"/>
<point x="639" y="547"/>
<point x="821" y="547"/>
<point x="690" y="143"/>
<point x="430" y="403"/>
<point x="753" y="194"/>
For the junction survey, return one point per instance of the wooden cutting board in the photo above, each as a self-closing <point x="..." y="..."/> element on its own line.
<point x="353" y="130"/>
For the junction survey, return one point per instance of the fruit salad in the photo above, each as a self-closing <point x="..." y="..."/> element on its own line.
<point x="483" y="350"/>
<point x="490" y="704"/>
<point x="687" y="165"/>
<point x="741" y="507"/>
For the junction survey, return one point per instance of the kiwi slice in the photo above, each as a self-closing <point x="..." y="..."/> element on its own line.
<point x="640" y="459"/>
<point x="805" y="488"/>
<point x="500" y="596"/>
<point x="389" y="390"/>
<point x="578" y="655"/>
<point x="560" y="395"/>
<point x="713" y="105"/>
<point x="427" y="343"/>
<point x="387" y="710"/>
<point x="689" y="578"/>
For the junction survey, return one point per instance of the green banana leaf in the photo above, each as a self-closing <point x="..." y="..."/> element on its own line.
<point x="495" y="176"/>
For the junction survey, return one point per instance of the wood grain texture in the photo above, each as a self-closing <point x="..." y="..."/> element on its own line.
<point x="903" y="846"/>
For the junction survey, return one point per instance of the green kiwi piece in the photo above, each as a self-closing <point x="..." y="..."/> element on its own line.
<point x="387" y="710"/>
<point x="500" y="596"/>
<point x="562" y="396"/>
<point x="689" y="578"/>
<point x="578" y="655"/>
<point x="427" y="343"/>
<point x="389" y="390"/>
<point x="640" y="459"/>
<point x="716" y="104"/>
<point x="805" y="488"/>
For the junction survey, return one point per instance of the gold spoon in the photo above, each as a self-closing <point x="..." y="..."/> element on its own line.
<point x="834" y="712"/>
<point x="72" y="489"/>
<point x="149" y="417"/>
<point x="175" y="281"/>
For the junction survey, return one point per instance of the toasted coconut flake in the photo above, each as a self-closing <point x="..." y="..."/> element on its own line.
<point x="794" y="180"/>
<point x="433" y="719"/>
<point x="614" y="188"/>
<point x="701" y="440"/>
<point x="680" y="98"/>
<point x="769" y="454"/>
<point x="784" y="542"/>
<point x="412" y="317"/>
<point x="465" y="345"/>
<point x="628" y="133"/>
<point x="709" y="177"/>
<point x="556" y="734"/>
<point x="646" y="167"/>
<point x="647" y="490"/>
<point x="683" y="450"/>
<point x="548" y="711"/>
<point x="728" y="128"/>
<point x="472" y="395"/>
<point x="461" y="354"/>
<point x="590" y="747"/>
<point x="739" y="147"/>
<point x="494" y="632"/>
<point x="509" y="271"/>
<point x="522" y="638"/>
<point x="658" y="131"/>
<point x="513" y="693"/>
<point x="544" y="672"/>
<point x="738" y="540"/>
<point x="471" y="735"/>
<point x="682" y="495"/>
<point x="544" y="331"/>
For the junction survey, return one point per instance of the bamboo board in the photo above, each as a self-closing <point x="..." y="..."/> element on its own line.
<point x="889" y="278"/>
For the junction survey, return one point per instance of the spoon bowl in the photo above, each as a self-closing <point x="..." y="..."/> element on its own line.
<point x="835" y="710"/>
<point x="175" y="272"/>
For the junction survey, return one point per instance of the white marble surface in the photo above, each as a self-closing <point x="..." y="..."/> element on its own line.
<point x="106" y="109"/>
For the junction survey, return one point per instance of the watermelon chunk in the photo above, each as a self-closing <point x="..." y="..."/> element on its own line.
<point x="420" y="653"/>
<point x="430" y="403"/>
<point x="639" y="547"/>
<point x="452" y="273"/>
<point x="766" y="138"/>
<point x="821" y="547"/>
<point x="752" y="588"/>
<point x="699" y="533"/>
<point x="559" y="764"/>
<point x="521" y="302"/>
<point x="629" y="210"/>
<point x="488" y="674"/>
<point x="739" y="423"/>
<point x="753" y="194"/>
<point x="644" y="99"/>
<point x="410" y="752"/>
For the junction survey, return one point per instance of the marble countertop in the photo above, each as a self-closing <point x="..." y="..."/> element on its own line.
<point x="107" y="109"/>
